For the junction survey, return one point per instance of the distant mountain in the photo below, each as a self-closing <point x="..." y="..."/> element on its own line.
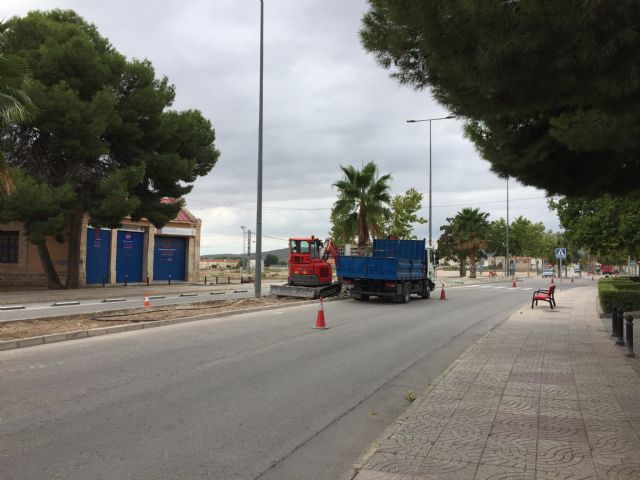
<point x="282" y="254"/>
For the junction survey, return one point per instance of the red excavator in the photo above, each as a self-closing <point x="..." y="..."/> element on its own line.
<point x="310" y="275"/>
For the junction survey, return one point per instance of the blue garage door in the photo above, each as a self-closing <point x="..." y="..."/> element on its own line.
<point x="98" y="253"/>
<point x="169" y="258"/>
<point x="129" y="256"/>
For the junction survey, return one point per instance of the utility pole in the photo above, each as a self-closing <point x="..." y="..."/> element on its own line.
<point x="244" y="246"/>
<point x="258" y="278"/>
<point x="249" y="251"/>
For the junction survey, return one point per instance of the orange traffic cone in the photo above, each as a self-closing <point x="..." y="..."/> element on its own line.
<point x="320" y="325"/>
<point x="442" y="294"/>
<point x="513" y="285"/>
<point x="147" y="303"/>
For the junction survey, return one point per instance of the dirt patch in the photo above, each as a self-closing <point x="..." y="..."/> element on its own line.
<point x="15" y="330"/>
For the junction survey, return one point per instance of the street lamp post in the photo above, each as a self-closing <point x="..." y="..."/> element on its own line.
<point x="507" y="257"/>
<point x="430" y="183"/>
<point x="258" y="278"/>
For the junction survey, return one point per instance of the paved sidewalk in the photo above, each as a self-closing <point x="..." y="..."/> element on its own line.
<point x="547" y="395"/>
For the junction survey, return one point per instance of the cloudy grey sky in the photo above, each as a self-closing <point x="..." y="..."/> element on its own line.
<point x="326" y="104"/>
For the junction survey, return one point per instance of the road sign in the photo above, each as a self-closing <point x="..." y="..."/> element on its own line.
<point x="561" y="253"/>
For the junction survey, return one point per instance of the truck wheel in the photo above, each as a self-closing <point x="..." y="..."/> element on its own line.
<point x="426" y="292"/>
<point x="406" y="293"/>
<point x="364" y="297"/>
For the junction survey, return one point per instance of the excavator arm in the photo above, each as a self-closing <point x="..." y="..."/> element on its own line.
<point x="330" y="248"/>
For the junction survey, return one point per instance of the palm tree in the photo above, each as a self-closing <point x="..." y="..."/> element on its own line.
<point x="362" y="200"/>
<point x="15" y="105"/>
<point x="471" y="229"/>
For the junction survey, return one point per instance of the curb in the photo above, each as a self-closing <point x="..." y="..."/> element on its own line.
<point x="94" y="332"/>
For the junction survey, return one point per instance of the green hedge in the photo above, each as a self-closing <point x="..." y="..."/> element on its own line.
<point x="622" y="292"/>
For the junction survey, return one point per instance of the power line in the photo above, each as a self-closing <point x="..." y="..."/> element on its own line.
<point x="326" y="208"/>
<point x="511" y="200"/>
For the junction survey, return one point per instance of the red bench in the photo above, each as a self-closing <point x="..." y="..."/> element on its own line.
<point x="545" y="296"/>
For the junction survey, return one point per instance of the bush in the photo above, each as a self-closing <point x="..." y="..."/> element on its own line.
<point x="620" y="292"/>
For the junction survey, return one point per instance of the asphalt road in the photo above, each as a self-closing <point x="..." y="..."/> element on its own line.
<point x="256" y="396"/>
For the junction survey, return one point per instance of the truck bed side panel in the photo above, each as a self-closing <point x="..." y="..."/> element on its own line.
<point x="379" y="268"/>
<point x="407" y="249"/>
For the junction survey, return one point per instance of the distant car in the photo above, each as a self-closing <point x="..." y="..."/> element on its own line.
<point x="548" y="272"/>
<point x="576" y="270"/>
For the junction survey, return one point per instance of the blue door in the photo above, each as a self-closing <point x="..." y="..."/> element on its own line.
<point x="169" y="256"/>
<point x="98" y="255"/>
<point x="129" y="256"/>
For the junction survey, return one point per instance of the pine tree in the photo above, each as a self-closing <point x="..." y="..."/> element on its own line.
<point x="550" y="90"/>
<point x="102" y="126"/>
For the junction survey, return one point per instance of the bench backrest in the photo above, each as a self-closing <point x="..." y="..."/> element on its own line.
<point x="551" y="289"/>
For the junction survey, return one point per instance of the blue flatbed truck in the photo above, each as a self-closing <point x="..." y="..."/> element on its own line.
<point x="396" y="269"/>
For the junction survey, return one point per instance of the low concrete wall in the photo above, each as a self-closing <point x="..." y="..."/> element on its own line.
<point x="26" y="279"/>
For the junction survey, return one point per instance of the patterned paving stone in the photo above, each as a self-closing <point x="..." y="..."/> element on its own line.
<point x="521" y="366"/>
<point x="518" y="389"/>
<point x="430" y="419"/>
<point x="630" y="403"/>
<point x="485" y="392"/>
<point x="616" y="469"/>
<point x="467" y="431"/>
<point x="550" y="378"/>
<point x="565" y="474"/>
<point x="501" y="451"/>
<point x="565" y="429"/>
<point x="373" y="475"/>
<point x="606" y="425"/>
<point x="554" y="456"/>
<point x="565" y="392"/>
<point x="491" y="378"/>
<point x="610" y="411"/>
<point x="604" y="395"/>
<point x="492" y="472"/>
<point x="394" y="463"/>
<point x="431" y="405"/>
<point x="446" y="469"/>
<point x="518" y="405"/>
<point x="410" y="444"/>
<point x="525" y="377"/>
<point x="614" y="444"/>
<point x="516" y="428"/>
<point x="457" y="450"/>
<point x="558" y="407"/>
<point x="446" y="395"/>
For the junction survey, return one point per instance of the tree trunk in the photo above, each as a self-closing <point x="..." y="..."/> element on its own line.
<point x="73" y="256"/>
<point x="473" y="259"/>
<point x="53" y="281"/>
<point x="463" y="273"/>
<point x="363" y="228"/>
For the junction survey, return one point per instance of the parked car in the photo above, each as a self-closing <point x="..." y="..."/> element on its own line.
<point x="576" y="269"/>
<point x="548" y="272"/>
